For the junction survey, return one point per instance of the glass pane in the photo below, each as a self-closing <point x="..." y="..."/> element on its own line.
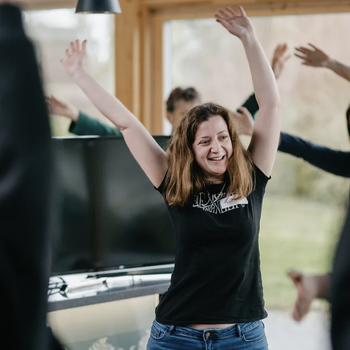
<point x="52" y="31"/>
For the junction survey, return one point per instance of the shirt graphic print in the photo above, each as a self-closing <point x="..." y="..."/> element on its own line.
<point x="217" y="203"/>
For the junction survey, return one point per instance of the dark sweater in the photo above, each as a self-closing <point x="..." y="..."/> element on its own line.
<point x="330" y="160"/>
<point x="25" y="178"/>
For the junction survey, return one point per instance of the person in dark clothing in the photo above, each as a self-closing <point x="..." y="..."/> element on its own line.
<point x="334" y="287"/>
<point x="213" y="188"/>
<point x="340" y="291"/>
<point x="81" y="123"/>
<point x="179" y="102"/>
<point x="333" y="161"/>
<point x="336" y="162"/>
<point x="25" y="184"/>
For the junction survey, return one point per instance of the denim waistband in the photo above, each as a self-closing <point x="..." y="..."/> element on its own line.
<point x="212" y="333"/>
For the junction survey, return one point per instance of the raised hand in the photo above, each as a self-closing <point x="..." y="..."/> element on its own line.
<point x="307" y="288"/>
<point x="279" y="59"/>
<point x="237" y="24"/>
<point x="244" y="120"/>
<point x="313" y="56"/>
<point x="75" y="55"/>
<point x="59" y="107"/>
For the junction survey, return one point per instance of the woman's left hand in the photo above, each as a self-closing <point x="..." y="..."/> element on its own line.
<point x="237" y="24"/>
<point x="245" y="121"/>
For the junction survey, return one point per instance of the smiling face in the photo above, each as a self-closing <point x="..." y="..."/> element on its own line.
<point x="212" y="148"/>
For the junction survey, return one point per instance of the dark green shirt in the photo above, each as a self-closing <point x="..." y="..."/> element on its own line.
<point x="91" y="126"/>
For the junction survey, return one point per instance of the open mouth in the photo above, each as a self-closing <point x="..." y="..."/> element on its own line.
<point x="216" y="159"/>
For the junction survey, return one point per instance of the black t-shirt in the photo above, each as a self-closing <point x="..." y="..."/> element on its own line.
<point x="217" y="276"/>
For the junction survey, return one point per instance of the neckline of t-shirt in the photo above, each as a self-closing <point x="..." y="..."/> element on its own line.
<point x="216" y="188"/>
<point x="215" y="185"/>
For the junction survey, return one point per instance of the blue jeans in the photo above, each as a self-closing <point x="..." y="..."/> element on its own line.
<point x="243" y="336"/>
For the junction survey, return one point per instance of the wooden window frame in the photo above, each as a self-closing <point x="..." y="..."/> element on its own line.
<point x="139" y="41"/>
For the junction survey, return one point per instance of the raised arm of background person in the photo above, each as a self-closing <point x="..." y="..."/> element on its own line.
<point x="314" y="57"/>
<point x="280" y="57"/>
<point x="81" y="123"/>
<point x="150" y="156"/>
<point x="25" y="163"/>
<point x="244" y="120"/>
<point x="309" y="288"/>
<point x="333" y="161"/>
<point x="87" y="125"/>
<point x="265" y="138"/>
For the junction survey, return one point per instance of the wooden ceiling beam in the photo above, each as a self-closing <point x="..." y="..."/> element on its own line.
<point x="46" y="4"/>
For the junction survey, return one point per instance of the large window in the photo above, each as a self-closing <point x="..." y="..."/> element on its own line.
<point x="304" y="206"/>
<point x="52" y="31"/>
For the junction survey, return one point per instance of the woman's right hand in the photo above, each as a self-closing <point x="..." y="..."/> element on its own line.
<point x="75" y="55"/>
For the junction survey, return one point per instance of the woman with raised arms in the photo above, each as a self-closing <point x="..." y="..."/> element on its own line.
<point x="213" y="188"/>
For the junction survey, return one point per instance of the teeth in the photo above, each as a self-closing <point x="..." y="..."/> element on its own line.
<point x="218" y="158"/>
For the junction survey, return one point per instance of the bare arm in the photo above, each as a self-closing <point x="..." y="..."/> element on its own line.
<point x="62" y="108"/>
<point x="314" y="57"/>
<point x="280" y="57"/>
<point x="149" y="155"/>
<point x="265" y="138"/>
<point x="309" y="287"/>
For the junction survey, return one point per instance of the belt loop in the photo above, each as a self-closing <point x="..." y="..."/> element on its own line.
<point x="171" y="329"/>
<point x="239" y="331"/>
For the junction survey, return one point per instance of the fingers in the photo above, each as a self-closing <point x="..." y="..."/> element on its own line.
<point x="72" y="47"/>
<point x="75" y="46"/>
<point x="303" y="50"/>
<point x="241" y="9"/>
<point x="231" y="12"/>
<point x="295" y="276"/>
<point x="314" y="47"/>
<point x="287" y="58"/>
<point x="307" y="63"/>
<point x="224" y="15"/>
<point x="228" y="13"/>
<point x="223" y="22"/>
<point x="300" y="56"/>
<point x="83" y="47"/>
<point x="280" y="50"/>
<point x="244" y="111"/>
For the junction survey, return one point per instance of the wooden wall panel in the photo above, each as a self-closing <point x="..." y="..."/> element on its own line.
<point x="46" y="4"/>
<point x="127" y="55"/>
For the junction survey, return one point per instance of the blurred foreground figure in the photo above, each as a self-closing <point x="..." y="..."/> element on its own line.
<point x="340" y="291"/>
<point x="25" y="174"/>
